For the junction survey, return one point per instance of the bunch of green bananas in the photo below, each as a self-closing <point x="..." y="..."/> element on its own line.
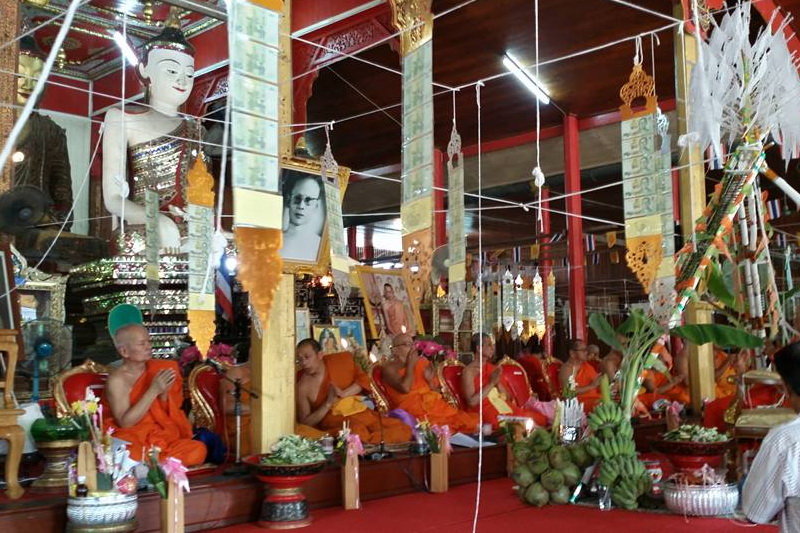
<point x="626" y="492"/>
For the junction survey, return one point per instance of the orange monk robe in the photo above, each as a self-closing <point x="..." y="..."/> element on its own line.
<point x="342" y="371"/>
<point x="422" y="402"/>
<point x="678" y="393"/>
<point x="585" y="376"/>
<point x="164" y="425"/>
<point x="726" y="384"/>
<point x="490" y="408"/>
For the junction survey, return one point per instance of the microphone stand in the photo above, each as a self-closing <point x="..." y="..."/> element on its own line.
<point x="238" y="468"/>
<point x="381" y="453"/>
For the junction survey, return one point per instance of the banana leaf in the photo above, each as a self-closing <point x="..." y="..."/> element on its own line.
<point x="604" y="331"/>
<point x="721" y="335"/>
<point x="717" y="286"/>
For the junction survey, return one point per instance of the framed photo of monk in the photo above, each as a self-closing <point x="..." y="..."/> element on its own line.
<point x="306" y="243"/>
<point x="328" y="337"/>
<point x="351" y="331"/>
<point x="387" y="300"/>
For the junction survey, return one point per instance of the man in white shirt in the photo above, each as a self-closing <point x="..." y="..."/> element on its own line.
<point x="773" y="484"/>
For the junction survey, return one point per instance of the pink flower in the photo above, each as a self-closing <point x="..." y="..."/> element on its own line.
<point x="190" y="355"/>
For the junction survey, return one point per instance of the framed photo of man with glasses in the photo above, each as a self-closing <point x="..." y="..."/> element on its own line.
<point x="305" y="216"/>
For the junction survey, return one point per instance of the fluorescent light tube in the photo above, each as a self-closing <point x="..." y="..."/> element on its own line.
<point x="525" y="77"/>
<point x="130" y="55"/>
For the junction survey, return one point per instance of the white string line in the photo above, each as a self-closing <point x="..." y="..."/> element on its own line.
<point x="11" y="141"/>
<point x="399" y="33"/>
<point x="645" y="10"/>
<point x="364" y="96"/>
<point x="37" y="28"/>
<point x="480" y="320"/>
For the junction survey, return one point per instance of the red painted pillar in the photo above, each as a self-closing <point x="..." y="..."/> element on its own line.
<point x="572" y="184"/>
<point x="439" y="214"/>
<point x="352" y="249"/>
<point x="546" y="267"/>
<point x="369" y="250"/>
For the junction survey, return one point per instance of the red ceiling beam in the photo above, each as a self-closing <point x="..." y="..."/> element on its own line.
<point x="766" y="8"/>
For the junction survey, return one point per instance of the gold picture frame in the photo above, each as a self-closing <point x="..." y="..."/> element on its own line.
<point x="372" y="282"/>
<point x="299" y="259"/>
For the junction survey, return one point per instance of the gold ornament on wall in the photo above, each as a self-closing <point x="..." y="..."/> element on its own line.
<point x="260" y="272"/>
<point x="201" y="184"/>
<point x="640" y="85"/>
<point x="644" y="257"/>
<point x="417" y="255"/>
<point x="415" y="19"/>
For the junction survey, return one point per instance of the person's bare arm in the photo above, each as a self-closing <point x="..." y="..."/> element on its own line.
<point x="473" y="397"/>
<point x="304" y="413"/>
<point x="352" y="390"/>
<point x="430" y="377"/>
<point x="391" y="375"/>
<point x="564" y="373"/>
<point x="719" y="371"/>
<point x="127" y="415"/>
<point x="591" y="386"/>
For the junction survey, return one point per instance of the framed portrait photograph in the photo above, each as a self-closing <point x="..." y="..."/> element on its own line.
<point x="328" y="337"/>
<point x="305" y="216"/>
<point x="351" y="331"/>
<point x="387" y="299"/>
<point x="302" y="324"/>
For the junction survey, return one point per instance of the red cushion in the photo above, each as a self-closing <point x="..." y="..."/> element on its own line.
<point x="552" y="372"/>
<point x="533" y="367"/>
<point x="516" y="383"/>
<point x="75" y="386"/>
<point x="452" y="380"/>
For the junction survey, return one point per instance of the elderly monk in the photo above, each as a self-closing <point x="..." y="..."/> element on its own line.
<point x="145" y="397"/>
<point x="410" y="386"/>
<point x="495" y="397"/>
<point x="327" y="396"/>
<point x="579" y="375"/>
<point x="673" y="387"/>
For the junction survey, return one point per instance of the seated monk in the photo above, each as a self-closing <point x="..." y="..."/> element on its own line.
<point x="326" y="395"/>
<point x="595" y="360"/>
<point x="579" y="375"/>
<point x="725" y="373"/>
<point x="495" y="398"/>
<point x="410" y="386"/>
<point x="145" y="396"/>
<point x="673" y="388"/>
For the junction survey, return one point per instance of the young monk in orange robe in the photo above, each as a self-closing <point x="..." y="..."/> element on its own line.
<point x="586" y="378"/>
<point x="659" y="386"/>
<point x="496" y="400"/>
<point x="327" y="390"/>
<point x="410" y="385"/>
<point x="725" y="373"/>
<point x="145" y="397"/>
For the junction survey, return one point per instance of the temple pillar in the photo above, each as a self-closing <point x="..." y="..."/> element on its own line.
<point x="692" y="181"/>
<point x="352" y="244"/>
<point x="577" y="271"/>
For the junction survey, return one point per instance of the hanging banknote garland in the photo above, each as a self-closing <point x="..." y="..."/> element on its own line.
<point x="551" y="299"/>
<point x="415" y="20"/>
<point x="538" y="325"/>
<point x="200" y="214"/>
<point x="508" y="301"/>
<point x="340" y="266"/>
<point x="521" y="305"/>
<point x="152" y="247"/>
<point x="642" y="177"/>
<point x="456" y="236"/>
<point x="254" y="98"/>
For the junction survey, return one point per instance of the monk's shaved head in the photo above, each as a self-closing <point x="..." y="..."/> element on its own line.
<point x="402" y="338"/>
<point x="128" y="334"/>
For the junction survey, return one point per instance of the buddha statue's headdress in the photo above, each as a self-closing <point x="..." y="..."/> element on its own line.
<point x="28" y="46"/>
<point x="170" y="38"/>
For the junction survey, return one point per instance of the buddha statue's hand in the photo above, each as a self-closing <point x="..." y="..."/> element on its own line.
<point x="168" y="233"/>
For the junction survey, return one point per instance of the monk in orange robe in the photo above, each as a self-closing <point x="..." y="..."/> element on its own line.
<point x="495" y="398"/>
<point x="144" y="396"/>
<point x="673" y="388"/>
<point x="410" y="386"/>
<point x="579" y="375"/>
<point x="326" y="393"/>
<point x="725" y="373"/>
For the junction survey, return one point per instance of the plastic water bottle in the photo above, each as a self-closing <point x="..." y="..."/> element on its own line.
<point x="605" y="498"/>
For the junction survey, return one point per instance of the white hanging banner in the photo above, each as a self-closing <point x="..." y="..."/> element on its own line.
<point x="456" y="237"/>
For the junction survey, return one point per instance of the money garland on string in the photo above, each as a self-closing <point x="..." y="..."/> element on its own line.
<point x="508" y="301"/>
<point x="537" y="306"/>
<point x="640" y="175"/>
<point x="340" y="267"/>
<point x="456" y="246"/>
<point x="152" y="247"/>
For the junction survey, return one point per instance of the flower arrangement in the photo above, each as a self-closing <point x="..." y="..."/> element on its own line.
<point x="348" y="443"/>
<point x="160" y="473"/>
<point x="190" y="356"/>
<point x="434" y="350"/>
<point x="432" y="433"/>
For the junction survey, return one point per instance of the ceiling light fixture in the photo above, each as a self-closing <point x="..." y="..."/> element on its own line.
<point x="527" y="79"/>
<point x="123" y="44"/>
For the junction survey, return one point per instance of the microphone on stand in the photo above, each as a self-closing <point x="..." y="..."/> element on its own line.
<point x="381" y="453"/>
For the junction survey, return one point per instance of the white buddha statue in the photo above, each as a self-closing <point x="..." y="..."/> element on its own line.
<point x="161" y="145"/>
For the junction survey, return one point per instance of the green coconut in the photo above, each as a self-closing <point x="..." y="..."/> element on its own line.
<point x="572" y="474"/>
<point x="559" y="457"/>
<point x="579" y="455"/>
<point x="521" y="452"/>
<point x="541" y="440"/>
<point x="522" y="475"/>
<point x="537" y="495"/>
<point x="552" y="480"/>
<point x="539" y="466"/>
<point x="560" y="496"/>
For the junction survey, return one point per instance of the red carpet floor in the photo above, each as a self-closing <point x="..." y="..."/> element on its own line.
<point x="501" y="511"/>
